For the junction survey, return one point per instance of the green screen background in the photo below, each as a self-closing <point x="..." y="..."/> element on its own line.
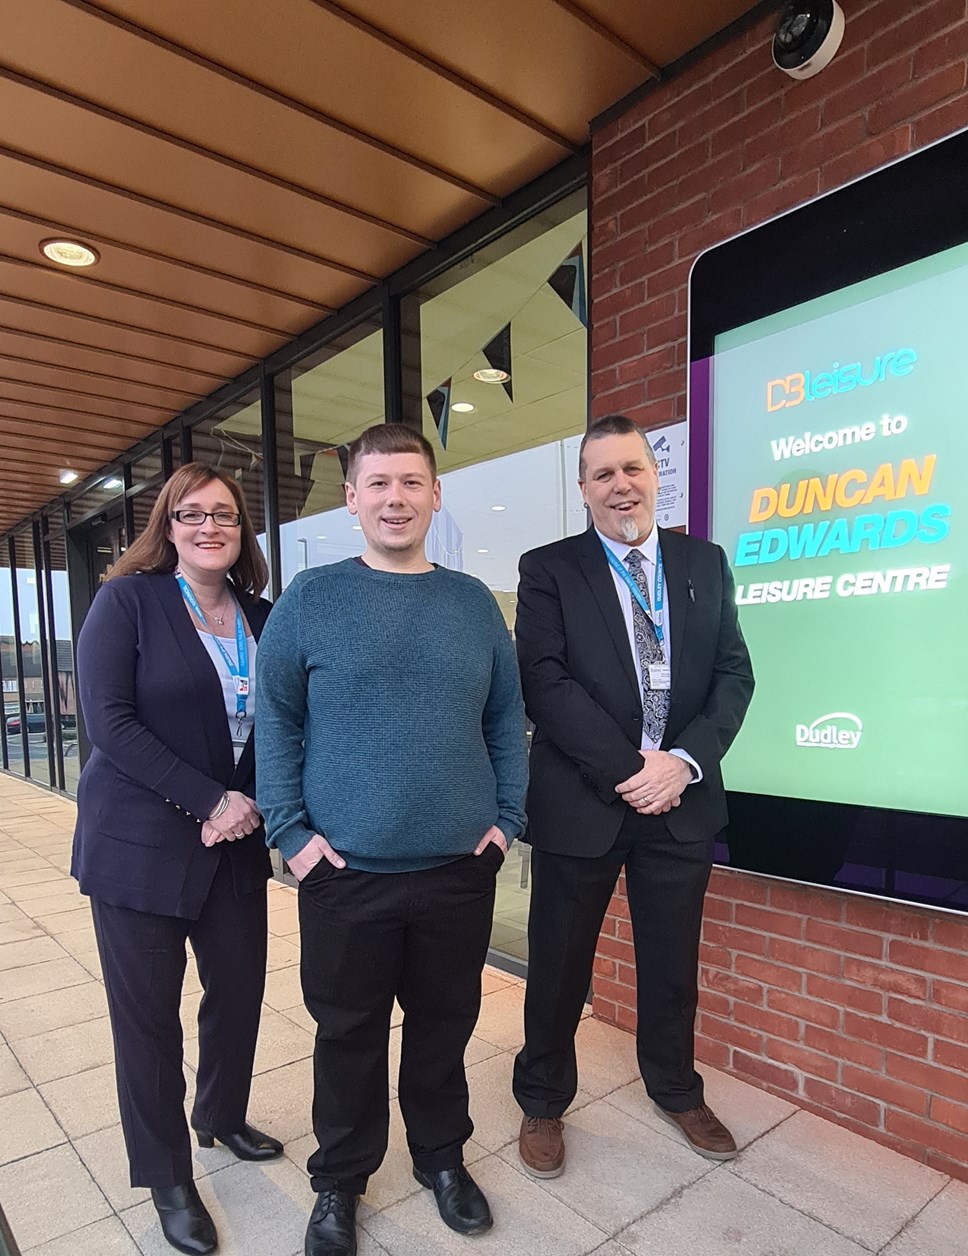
<point x="898" y="661"/>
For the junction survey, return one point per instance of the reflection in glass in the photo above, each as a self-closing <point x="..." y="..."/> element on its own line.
<point x="106" y="490"/>
<point x="31" y="651"/>
<point x="147" y="467"/>
<point x="231" y="441"/>
<point x="321" y="407"/>
<point x="141" y="507"/>
<point x="60" y="630"/>
<point x="499" y="348"/>
<point x="9" y="668"/>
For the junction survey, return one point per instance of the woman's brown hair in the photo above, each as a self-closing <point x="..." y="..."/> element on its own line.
<point x="153" y="553"/>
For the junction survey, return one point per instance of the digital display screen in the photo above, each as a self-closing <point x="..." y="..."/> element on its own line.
<point x="839" y="492"/>
<point x="828" y="455"/>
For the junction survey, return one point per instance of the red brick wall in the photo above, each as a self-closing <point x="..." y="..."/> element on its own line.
<point x="852" y="1008"/>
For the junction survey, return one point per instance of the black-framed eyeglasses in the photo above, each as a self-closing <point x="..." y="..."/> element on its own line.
<point x="224" y="518"/>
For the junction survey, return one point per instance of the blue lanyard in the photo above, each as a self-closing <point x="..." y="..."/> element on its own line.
<point x="240" y="672"/>
<point x="654" y="613"/>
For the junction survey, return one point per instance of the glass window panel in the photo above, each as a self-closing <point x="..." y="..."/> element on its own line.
<point x="322" y="405"/>
<point x="507" y="450"/>
<point x="141" y="507"/>
<point x="63" y="680"/>
<point x="31" y="652"/>
<point x="232" y="441"/>
<point x="147" y="467"/>
<point x="9" y="668"/>
<point x="106" y="490"/>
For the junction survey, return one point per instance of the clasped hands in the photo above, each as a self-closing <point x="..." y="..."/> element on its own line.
<point x="238" y="819"/>
<point x="317" y="848"/>
<point x="658" y="786"/>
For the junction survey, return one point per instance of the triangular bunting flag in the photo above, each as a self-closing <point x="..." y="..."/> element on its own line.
<point x="498" y="354"/>
<point x="439" y="402"/>
<point x="568" y="282"/>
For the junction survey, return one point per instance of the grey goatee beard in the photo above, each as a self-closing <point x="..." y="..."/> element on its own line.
<point x="629" y="530"/>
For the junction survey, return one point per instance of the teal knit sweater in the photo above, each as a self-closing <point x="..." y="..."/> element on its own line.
<point x="388" y="717"/>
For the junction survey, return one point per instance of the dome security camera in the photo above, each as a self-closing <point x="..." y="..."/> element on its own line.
<point x="808" y="36"/>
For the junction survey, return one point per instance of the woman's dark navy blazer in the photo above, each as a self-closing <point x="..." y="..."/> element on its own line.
<point x="154" y="711"/>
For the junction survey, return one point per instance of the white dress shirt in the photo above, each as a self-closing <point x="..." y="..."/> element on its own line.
<point x="649" y="549"/>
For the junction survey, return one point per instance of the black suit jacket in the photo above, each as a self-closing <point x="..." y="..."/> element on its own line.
<point x="154" y="711"/>
<point x="581" y="692"/>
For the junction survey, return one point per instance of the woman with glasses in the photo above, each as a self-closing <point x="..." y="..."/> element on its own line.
<point x="169" y="842"/>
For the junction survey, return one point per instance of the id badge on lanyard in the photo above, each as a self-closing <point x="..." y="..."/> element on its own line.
<point x="238" y="672"/>
<point x="660" y="674"/>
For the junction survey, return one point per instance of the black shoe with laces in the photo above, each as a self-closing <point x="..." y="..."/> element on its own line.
<point x="460" y="1201"/>
<point x="332" y="1226"/>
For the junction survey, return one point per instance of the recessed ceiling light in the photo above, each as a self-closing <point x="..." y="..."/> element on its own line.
<point x="69" y="253"/>
<point x="499" y="507"/>
<point x="114" y="482"/>
<point x="483" y="551"/>
<point x="320" y="538"/>
<point x="462" y="407"/>
<point x="67" y="477"/>
<point x="357" y="527"/>
<point x="491" y="375"/>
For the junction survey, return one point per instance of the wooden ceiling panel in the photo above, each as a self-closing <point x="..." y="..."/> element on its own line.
<point x="88" y="143"/>
<point x="44" y="438"/>
<point x="367" y="85"/>
<point x="137" y="273"/>
<point x="105" y="363"/>
<point x="77" y="329"/>
<point x="95" y="208"/>
<point x="62" y="399"/>
<point x="159" y="89"/>
<point x="127" y="430"/>
<point x="82" y="384"/>
<point x="661" y="31"/>
<point x="246" y="170"/>
<point x="538" y="56"/>
<point x="91" y="296"/>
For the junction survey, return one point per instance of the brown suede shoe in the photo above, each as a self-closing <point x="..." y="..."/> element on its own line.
<point x="704" y="1132"/>
<point x="541" y="1146"/>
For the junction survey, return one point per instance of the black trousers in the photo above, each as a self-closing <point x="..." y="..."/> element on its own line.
<point x="143" y="961"/>
<point x="421" y="937"/>
<point x="665" y="882"/>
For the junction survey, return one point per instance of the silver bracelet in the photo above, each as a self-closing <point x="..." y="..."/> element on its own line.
<point x="222" y="804"/>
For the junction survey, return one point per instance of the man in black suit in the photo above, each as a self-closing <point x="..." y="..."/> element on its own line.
<point x="637" y="679"/>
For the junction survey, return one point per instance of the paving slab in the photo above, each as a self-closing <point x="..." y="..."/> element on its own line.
<point x="748" y="1112"/>
<point x="940" y="1229"/>
<point x="616" y="1168"/>
<point x="49" y="1195"/>
<point x="84" y="1103"/>
<point x="721" y="1215"/>
<point x="28" y="1126"/>
<point x="528" y="1221"/>
<point x="258" y="1210"/>
<point x="855" y="1186"/>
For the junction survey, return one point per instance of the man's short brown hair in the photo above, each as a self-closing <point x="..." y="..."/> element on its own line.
<point x="389" y="438"/>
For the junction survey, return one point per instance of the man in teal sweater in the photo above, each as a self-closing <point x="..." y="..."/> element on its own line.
<point x="391" y="774"/>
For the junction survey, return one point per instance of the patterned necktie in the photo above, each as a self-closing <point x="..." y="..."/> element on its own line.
<point x="655" y="702"/>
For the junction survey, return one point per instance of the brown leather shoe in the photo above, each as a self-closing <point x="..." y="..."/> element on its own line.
<point x="541" y="1146"/>
<point x="704" y="1132"/>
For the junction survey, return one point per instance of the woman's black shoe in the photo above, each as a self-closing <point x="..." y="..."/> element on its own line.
<point x="185" y="1220"/>
<point x="460" y="1201"/>
<point x="247" y="1144"/>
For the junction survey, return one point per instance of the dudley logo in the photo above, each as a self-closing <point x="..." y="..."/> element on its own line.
<point x="837" y="731"/>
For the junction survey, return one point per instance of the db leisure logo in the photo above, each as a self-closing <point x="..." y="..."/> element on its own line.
<point x="837" y="731"/>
